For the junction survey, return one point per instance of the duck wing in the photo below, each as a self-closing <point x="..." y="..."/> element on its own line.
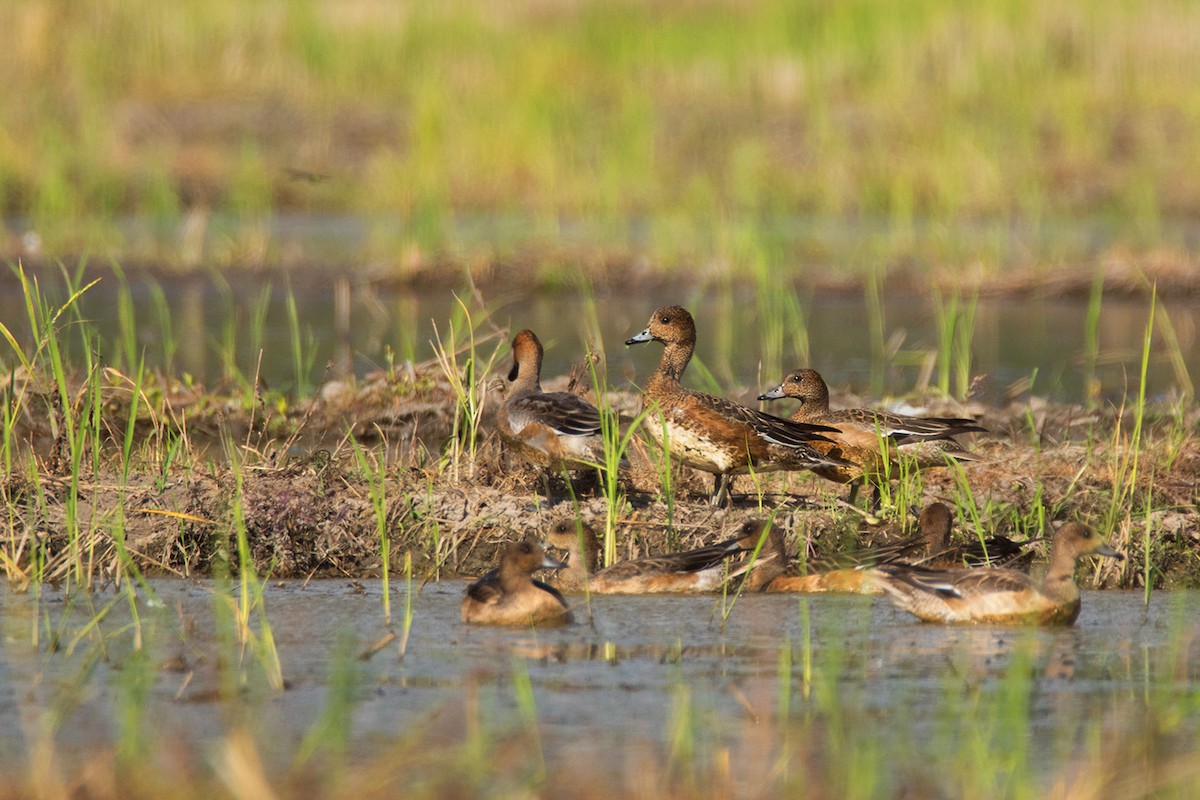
<point x="565" y="413"/>
<point x="903" y="429"/>
<point x="776" y="430"/>
<point x="486" y="590"/>
<point x="686" y="561"/>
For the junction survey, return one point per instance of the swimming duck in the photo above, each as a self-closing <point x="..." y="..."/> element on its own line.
<point x="509" y="595"/>
<point x="704" y="569"/>
<point x="851" y="572"/>
<point x="713" y="434"/>
<point x="935" y="523"/>
<point x="931" y="547"/>
<point x="997" y="595"/>
<point x="864" y="435"/>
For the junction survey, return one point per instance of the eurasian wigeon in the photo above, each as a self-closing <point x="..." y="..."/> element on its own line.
<point x="863" y="436"/>
<point x="852" y="573"/>
<point x="997" y="595"/>
<point x="935" y="523"/>
<point x="713" y="434"/>
<point x="553" y="431"/>
<point x="704" y="569"/>
<point x="509" y="595"/>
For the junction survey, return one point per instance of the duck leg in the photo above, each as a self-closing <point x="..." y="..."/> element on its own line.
<point x="876" y="498"/>
<point x="721" y="489"/>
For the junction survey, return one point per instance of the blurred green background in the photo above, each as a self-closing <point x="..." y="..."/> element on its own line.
<point x="941" y="139"/>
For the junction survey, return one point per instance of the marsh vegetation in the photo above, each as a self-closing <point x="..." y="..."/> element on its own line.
<point x="264" y="263"/>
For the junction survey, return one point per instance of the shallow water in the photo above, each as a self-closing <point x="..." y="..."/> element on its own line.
<point x="1014" y="339"/>
<point x="601" y="687"/>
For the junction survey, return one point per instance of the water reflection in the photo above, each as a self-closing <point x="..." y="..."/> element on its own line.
<point x="207" y="328"/>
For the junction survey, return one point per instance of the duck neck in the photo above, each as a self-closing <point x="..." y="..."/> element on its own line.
<point x="582" y="554"/>
<point x="770" y="562"/>
<point x="529" y="372"/>
<point x="815" y="404"/>
<point x="937" y="539"/>
<point x="512" y="578"/>
<point x="1059" y="582"/>
<point x="675" y="358"/>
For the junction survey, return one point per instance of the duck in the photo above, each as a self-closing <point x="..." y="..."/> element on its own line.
<point x="713" y="434"/>
<point x="872" y="441"/>
<point x="852" y="572"/>
<point x="935" y="522"/>
<point x="509" y="595"/>
<point x="704" y="569"/>
<point x="998" y="595"/>
<point x="553" y="431"/>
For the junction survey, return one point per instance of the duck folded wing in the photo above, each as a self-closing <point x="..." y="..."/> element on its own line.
<point x="904" y="429"/>
<point x="563" y="412"/>
<point x="958" y="583"/>
<point x="486" y="590"/>
<point x="689" y="561"/>
<point x="772" y="428"/>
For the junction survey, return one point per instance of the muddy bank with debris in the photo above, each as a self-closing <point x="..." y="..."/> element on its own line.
<point x="312" y="486"/>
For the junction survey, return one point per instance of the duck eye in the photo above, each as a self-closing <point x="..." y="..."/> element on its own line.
<point x="664" y="320"/>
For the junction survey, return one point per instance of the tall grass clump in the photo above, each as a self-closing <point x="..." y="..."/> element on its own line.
<point x="955" y="320"/>
<point x="468" y="380"/>
<point x="1091" y="339"/>
<point x="77" y="411"/>
<point x="238" y="335"/>
<point x="1126" y="449"/>
<point x="250" y="603"/>
<point x="302" y="346"/>
<point x="374" y="470"/>
<point x="617" y="439"/>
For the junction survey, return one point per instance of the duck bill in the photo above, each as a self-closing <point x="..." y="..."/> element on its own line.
<point x="550" y="562"/>
<point x="641" y="338"/>
<point x="774" y="394"/>
<point x="1105" y="550"/>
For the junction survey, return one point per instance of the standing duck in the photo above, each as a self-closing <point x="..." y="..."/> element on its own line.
<point x="553" y="431"/>
<point x="713" y="434"/>
<point x="871" y="441"/>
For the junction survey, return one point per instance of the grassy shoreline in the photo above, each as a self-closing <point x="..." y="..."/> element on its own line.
<point x="108" y="460"/>
<point x="163" y="486"/>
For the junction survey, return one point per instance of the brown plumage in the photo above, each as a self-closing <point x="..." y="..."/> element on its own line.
<point x="935" y="523"/>
<point x="551" y="430"/>
<point x="509" y="595"/>
<point x="930" y="547"/>
<point x="704" y="569"/>
<point x="863" y="436"/>
<point x="713" y="434"/>
<point x="850" y="572"/>
<point x="997" y="595"/>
